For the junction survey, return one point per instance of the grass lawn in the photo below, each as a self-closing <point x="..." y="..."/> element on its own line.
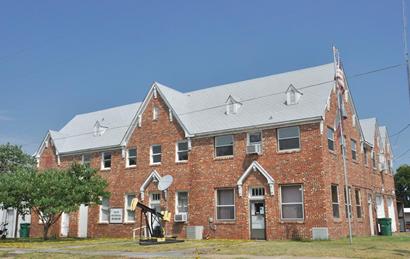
<point x="397" y="246"/>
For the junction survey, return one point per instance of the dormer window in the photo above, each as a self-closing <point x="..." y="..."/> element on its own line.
<point x="99" y="129"/>
<point x="292" y="95"/>
<point x="232" y="105"/>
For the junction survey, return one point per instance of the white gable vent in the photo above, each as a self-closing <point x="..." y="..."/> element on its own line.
<point x="99" y="129"/>
<point x="292" y="95"/>
<point x="232" y="105"/>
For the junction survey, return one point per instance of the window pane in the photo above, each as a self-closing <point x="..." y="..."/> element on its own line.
<point x="182" y="146"/>
<point x="130" y="215"/>
<point x="107" y="156"/>
<point x="183" y="156"/>
<point x="224" y="140"/>
<point x="156" y="149"/>
<point x="182" y="202"/>
<point x="334" y="194"/>
<point x="255" y="137"/>
<point x="289" y="144"/>
<point x="291" y="193"/>
<point x="107" y="163"/>
<point x="129" y="200"/>
<point x="330" y="133"/>
<point x="225" y="197"/>
<point x="292" y="211"/>
<point x="156" y="158"/>
<point x="336" y="210"/>
<point x="132" y="152"/>
<point x="290" y="132"/>
<point x="132" y="161"/>
<point x="226" y="212"/>
<point x="224" y="151"/>
<point x="105" y="203"/>
<point x="330" y="144"/>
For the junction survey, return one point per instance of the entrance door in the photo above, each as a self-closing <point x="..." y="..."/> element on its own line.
<point x="11" y="220"/>
<point x="65" y="220"/>
<point x="83" y="221"/>
<point x="257" y="219"/>
<point x="380" y="207"/>
<point x="371" y="220"/>
<point x="392" y="215"/>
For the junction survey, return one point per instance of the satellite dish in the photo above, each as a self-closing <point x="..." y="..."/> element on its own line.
<point x="165" y="182"/>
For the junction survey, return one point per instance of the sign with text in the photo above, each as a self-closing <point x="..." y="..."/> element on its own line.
<point x="116" y="215"/>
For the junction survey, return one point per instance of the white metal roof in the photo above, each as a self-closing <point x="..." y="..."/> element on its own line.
<point x="78" y="133"/>
<point x="369" y="129"/>
<point x="263" y="101"/>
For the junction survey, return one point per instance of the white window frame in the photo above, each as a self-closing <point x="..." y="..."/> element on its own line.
<point x="329" y="129"/>
<point x="348" y="201"/>
<point x="248" y="137"/>
<point x="83" y="159"/>
<point x="152" y="201"/>
<point x="333" y="202"/>
<point x="155" y="113"/>
<point x="103" y="160"/>
<point x="292" y="203"/>
<point x="278" y="139"/>
<point x="177" y="151"/>
<point x="353" y="147"/>
<point x="219" y="206"/>
<point x="152" y="154"/>
<point x="100" y="212"/>
<point x="216" y="146"/>
<point x="176" y="202"/>
<point x="127" y="208"/>
<point x="128" y="157"/>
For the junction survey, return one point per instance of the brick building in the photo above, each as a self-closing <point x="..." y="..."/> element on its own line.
<point x="258" y="159"/>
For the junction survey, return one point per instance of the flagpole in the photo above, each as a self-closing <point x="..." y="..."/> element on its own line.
<point x="349" y="213"/>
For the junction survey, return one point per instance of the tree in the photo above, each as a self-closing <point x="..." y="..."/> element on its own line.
<point x="402" y="184"/>
<point x="13" y="157"/>
<point x="59" y="191"/>
<point x="51" y="192"/>
<point x="14" y="161"/>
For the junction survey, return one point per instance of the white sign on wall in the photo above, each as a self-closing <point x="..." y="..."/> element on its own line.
<point x="116" y="216"/>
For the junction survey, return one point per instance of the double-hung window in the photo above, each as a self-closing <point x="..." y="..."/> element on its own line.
<point x="358" y="203"/>
<point x="182" y="202"/>
<point x="182" y="151"/>
<point x="156" y="154"/>
<point x="292" y="202"/>
<point x="225" y="204"/>
<point x="331" y="139"/>
<point x="106" y="160"/>
<point x="335" y="201"/>
<point x="348" y="202"/>
<point x="224" y="145"/>
<point x="104" y="210"/>
<point x="289" y="138"/>
<point x="354" y="152"/>
<point x="131" y="157"/>
<point x="86" y="160"/>
<point x="129" y="213"/>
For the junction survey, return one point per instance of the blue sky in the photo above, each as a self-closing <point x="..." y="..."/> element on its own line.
<point x="60" y="58"/>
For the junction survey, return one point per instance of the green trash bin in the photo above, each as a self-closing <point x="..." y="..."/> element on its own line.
<point x="384" y="226"/>
<point x="24" y="230"/>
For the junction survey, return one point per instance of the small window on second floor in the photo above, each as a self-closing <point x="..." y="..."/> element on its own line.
<point x="289" y="138"/>
<point x="182" y="151"/>
<point x="106" y="160"/>
<point x="255" y="138"/>
<point x="224" y="145"/>
<point x="156" y="154"/>
<point x="131" y="157"/>
<point x="354" y="153"/>
<point x="86" y="160"/>
<point x="155" y="113"/>
<point x="331" y="139"/>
